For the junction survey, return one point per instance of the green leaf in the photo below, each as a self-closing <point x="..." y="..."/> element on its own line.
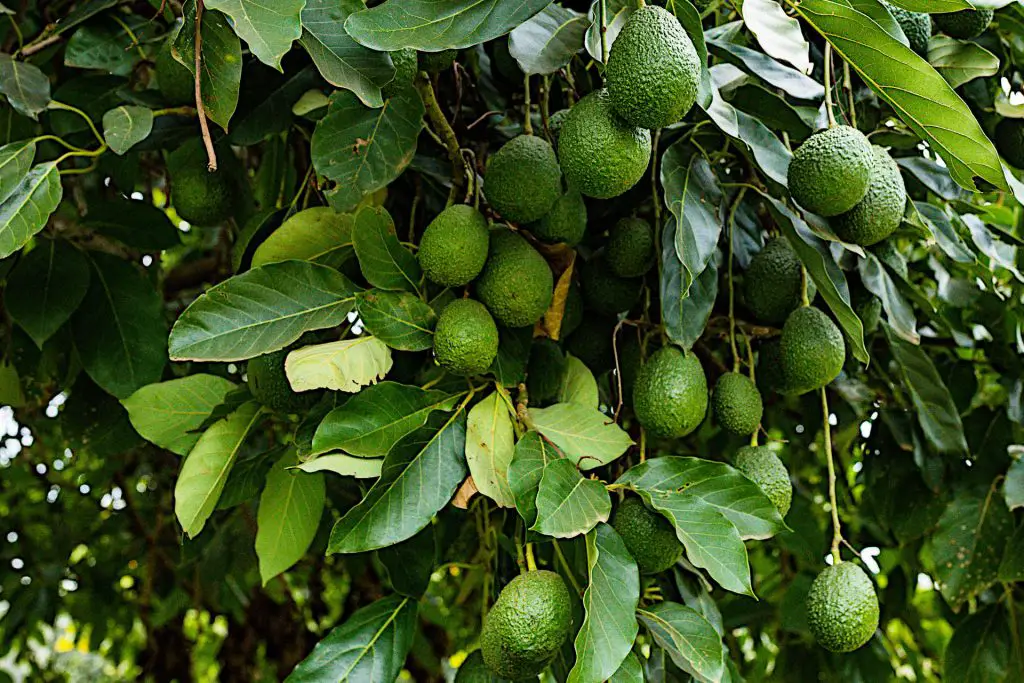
<point x="107" y="45"/>
<point x="290" y="509"/>
<point x="46" y="287"/>
<point x="898" y="312"/>
<point x="578" y="384"/>
<point x="547" y="42"/>
<point x="27" y="208"/>
<point x="685" y="317"/>
<point x="410" y="563"/>
<point x="169" y="413"/>
<point x="342" y="61"/>
<point x="382" y="258"/>
<point x="11" y="393"/>
<point x="370" y="646"/>
<point x="688" y="638"/>
<point x="531" y="456"/>
<point x="434" y="25"/>
<point x="26" y="86"/>
<point x="568" y="504"/>
<point x="319" y="234"/>
<point x="586" y="436"/>
<point x="126" y="126"/>
<point x="490" y="443"/>
<point x="1013" y="487"/>
<point x="778" y="34"/>
<point x="613" y="591"/>
<point x="617" y="14"/>
<point x="693" y="196"/>
<point x="418" y="478"/>
<point x="945" y="234"/>
<point x="960" y="61"/>
<point x="345" y="465"/>
<point x="248" y="477"/>
<point x="631" y="671"/>
<point x="509" y="366"/>
<point x="363" y="149"/>
<point x="207" y="466"/>
<point x="790" y="81"/>
<point x="981" y="648"/>
<point x="346" y="365"/>
<point x="1011" y="568"/>
<point x="15" y="161"/>
<point x="400" y="319"/>
<point x="222" y="61"/>
<point x="269" y="28"/>
<point x="136" y="223"/>
<point x="262" y="310"/>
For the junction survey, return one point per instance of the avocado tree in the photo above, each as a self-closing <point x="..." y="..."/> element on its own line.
<point x="571" y="341"/>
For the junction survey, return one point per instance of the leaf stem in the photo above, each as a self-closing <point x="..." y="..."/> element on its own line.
<point x="59" y="140"/>
<point x="604" y="33"/>
<point x="837" y="534"/>
<point x="527" y="117"/>
<point x="211" y="154"/>
<point x="828" y="85"/>
<point x="55" y="104"/>
<point x="545" y="113"/>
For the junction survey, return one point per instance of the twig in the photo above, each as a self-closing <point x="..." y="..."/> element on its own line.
<point x="211" y="154"/>
<point x="545" y="115"/>
<point x="35" y="47"/>
<point x="848" y="87"/>
<point x="837" y="534"/>
<point x="527" y="122"/>
<point x="604" y="33"/>
<point x="828" y="84"/>
<point x="732" y="306"/>
<point x="443" y="129"/>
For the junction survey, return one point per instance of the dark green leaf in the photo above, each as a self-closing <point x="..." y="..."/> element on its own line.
<point x="222" y="61"/>
<point x="382" y="258"/>
<point x="933" y="176"/>
<point x="266" y="105"/>
<point x="567" y="504"/>
<point x="693" y="196"/>
<point x="410" y="563"/>
<point x="27" y="208"/>
<point x="268" y="28"/>
<point x="399" y="319"/>
<point x="688" y="638"/>
<point x="136" y="223"/>
<point x="945" y="233"/>
<point x="531" y="456"/>
<point x="46" y="287"/>
<point x="685" y="317"/>
<point x="27" y="88"/>
<point x="689" y="17"/>
<point x="547" y="42"/>
<point x="981" y="648"/>
<point x="509" y="366"/>
<point x="105" y="45"/>
<point x="1011" y="568"/>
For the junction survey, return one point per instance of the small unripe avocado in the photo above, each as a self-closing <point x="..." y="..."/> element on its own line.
<point x="523" y="181"/>
<point x="812" y="350"/>
<point x="1009" y="139"/>
<point x="736" y="404"/>
<point x="653" y="69"/>
<point x="198" y="195"/>
<point x="601" y="155"/>
<point x="607" y="293"/>
<point x="648" y="536"/>
<point x="516" y="284"/>
<point x="879" y="214"/>
<point x="760" y="465"/>
<point x="670" y="396"/>
<point x="917" y="27"/>
<point x="592" y="342"/>
<point x="566" y="222"/>
<point x="773" y="281"/>
<point x="630" y="251"/>
<point x="830" y="172"/>
<point x="545" y="371"/>
<point x="436" y="62"/>
<point x="466" y="338"/>
<point x="269" y="385"/>
<point x="454" y="246"/>
<point x="474" y="670"/>
<point x="405" y="70"/>
<point x="964" y="24"/>
<point x="176" y="82"/>
<point x="527" y="625"/>
<point x="842" y="608"/>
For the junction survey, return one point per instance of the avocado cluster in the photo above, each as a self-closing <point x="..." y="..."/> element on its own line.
<point x="965" y="24"/>
<point x="879" y="213"/>
<point x="647" y="535"/>
<point x="917" y="27"/>
<point x="842" y="608"/>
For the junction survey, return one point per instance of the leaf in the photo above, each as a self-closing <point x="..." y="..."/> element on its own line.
<point x="1011" y="568"/>
<point x="1013" y="487"/>
<point x="370" y="423"/>
<point x="410" y="563"/>
<point x="107" y="45"/>
<point x="945" y="234"/>
<point x="247" y="478"/>
<point x="46" y="287"/>
<point x="15" y="162"/>
<point x="345" y="365"/>
<point x="418" y="478"/>
<point x="370" y="646"/>
<point x="530" y="458"/>
<point x="319" y="234"/>
<point x="27" y="208"/>
<point x="630" y="672"/>
<point x="917" y="93"/>
<point x="547" y="42"/>
<point x="688" y="638"/>
<point x="693" y="196"/>
<point x="586" y="436"/>
<point x="490" y="443"/>
<point x="136" y="223"/>
<point x="363" y="149"/>
<point x="613" y="591"/>
<point x="960" y="61"/>
<point x="399" y="319"/>
<point x="434" y="25"/>
<point x="11" y="393"/>
<point x="981" y="648"/>
<point x="686" y="316"/>
<point x="509" y="366"/>
<point x="126" y="126"/>
<point x="778" y="34"/>
<point x="342" y="61"/>
<point x="933" y="176"/>
<point x="567" y="504"/>
<point x="169" y="413"/>
<point x="266" y="105"/>
<point x="207" y="466"/>
<point x="345" y="465"/>
<point x="898" y="312"/>
<point x="290" y="509"/>
<point x="262" y="310"/>
<point x="578" y="384"/>
<point x="790" y="81"/>
<point x="222" y="61"/>
<point x="267" y="27"/>
<point x="26" y="86"/>
<point x="382" y="258"/>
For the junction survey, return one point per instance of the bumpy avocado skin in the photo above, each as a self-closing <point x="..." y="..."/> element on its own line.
<point x="527" y="625"/>
<point x="175" y="80"/>
<point x="199" y="196"/>
<point x="516" y="284"/>
<point x="670" y="397"/>
<point x="648" y="536"/>
<point x="964" y="24"/>
<point x="545" y="371"/>
<point x="405" y="70"/>
<point x="566" y="222"/>
<point x="879" y="214"/>
<point x="601" y="155"/>
<point x="607" y="293"/>
<point x="763" y="467"/>
<point x="842" y="608"/>
<point x="269" y="385"/>
<point x="653" y="69"/>
<point x="812" y="350"/>
<point x="474" y="670"/>
<point x="1009" y="139"/>
<point x="436" y="62"/>
<point x="630" y="251"/>
<point x="591" y="342"/>
<point x="466" y="338"/>
<point x="736" y="404"/>
<point x="523" y="181"/>
<point x="830" y="172"/>
<point x="917" y="27"/>
<point x="454" y="246"/>
<point x="773" y="281"/>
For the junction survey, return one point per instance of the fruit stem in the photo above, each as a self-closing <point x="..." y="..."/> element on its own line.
<point x="527" y="122"/>
<point x="837" y="534"/>
<point x="828" y="85"/>
<point x="604" y="33"/>
<point x="211" y="154"/>
<point x="643" y="444"/>
<point x="732" y="308"/>
<point x="804" y="298"/>
<point x="531" y="563"/>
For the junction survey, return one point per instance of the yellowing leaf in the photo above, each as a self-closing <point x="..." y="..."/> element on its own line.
<point x="347" y="365"/>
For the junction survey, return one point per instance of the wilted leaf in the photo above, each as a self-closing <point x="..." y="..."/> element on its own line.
<point x="345" y="365"/>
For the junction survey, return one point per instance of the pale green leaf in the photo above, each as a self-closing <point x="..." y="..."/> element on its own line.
<point x="578" y="384"/>
<point x="960" y="61"/>
<point x="168" y="413"/>
<point x="345" y="365"/>
<point x="777" y="33"/>
<point x="547" y="42"/>
<point x="267" y="27"/>
<point x="568" y="504"/>
<point x="15" y="161"/>
<point x="291" y="505"/>
<point x="490" y="443"/>
<point x="28" y="206"/>
<point x="345" y="465"/>
<point x="319" y="234"/>
<point x="586" y="436"/>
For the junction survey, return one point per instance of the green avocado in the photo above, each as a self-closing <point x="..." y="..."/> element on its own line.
<point x="523" y="181"/>
<point x="964" y="24"/>
<point x="516" y="284"/>
<point x="736" y="404"/>
<point x="1009" y="139"/>
<point x="648" y="536"/>
<point x="879" y="214"/>
<point x="405" y="70"/>
<point x="630" y="251"/>
<point x="812" y="350"/>
<point x="545" y="371"/>
<point x="760" y="465"/>
<point x="917" y="27"/>
<point x="653" y="69"/>
<point x="670" y="396"/>
<point x="527" y="625"/>
<point x="474" y="670"/>
<point x="591" y="342"/>
<point x="269" y="385"/>
<point x="466" y="338"/>
<point x="830" y="172"/>
<point x="175" y="81"/>
<point x="454" y="246"/>
<point x="601" y="155"/>
<point x="198" y="195"/>
<point x="566" y="222"/>
<point x="773" y="281"/>
<point x="607" y="293"/>
<point x="842" y="608"/>
<point x="436" y="62"/>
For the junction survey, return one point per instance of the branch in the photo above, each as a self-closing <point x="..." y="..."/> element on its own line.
<point x="443" y="129"/>
<point x="211" y="155"/>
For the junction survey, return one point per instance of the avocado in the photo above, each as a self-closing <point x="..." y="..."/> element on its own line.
<point x="436" y="62"/>
<point x="653" y="69"/>
<point x="879" y="214"/>
<point x="516" y="284"/>
<point x="842" y="608"/>
<point x="405" y="70"/>
<point x="1009" y="139"/>
<point x="175" y="81"/>
<point x="269" y="385"/>
<point x="670" y="396"/>
<point x="964" y="24"/>
<point x="773" y="281"/>
<point x="545" y="371"/>
<point x="592" y="342"/>
<point x="523" y="181"/>
<point x="565" y="222"/>
<point x="555" y="123"/>
<point x="466" y="338"/>
<point x="812" y="350"/>
<point x="917" y="27"/>
<point x="198" y="195"/>
<point x="630" y="251"/>
<point x="572" y="316"/>
<point x="736" y="404"/>
<point x="454" y="246"/>
<point x="760" y="465"/>
<point x="830" y="172"/>
<point x="648" y="536"/>
<point x="601" y="155"/>
<point x="607" y="293"/>
<point x="474" y="670"/>
<point x="527" y="625"/>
